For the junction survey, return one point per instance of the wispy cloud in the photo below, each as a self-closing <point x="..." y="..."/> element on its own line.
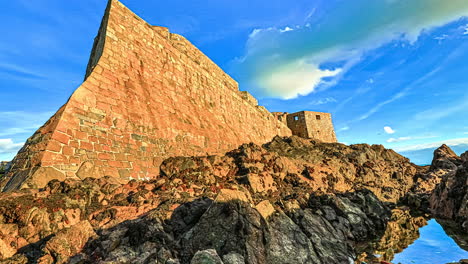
<point x="393" y="140"/>
<point x="449" y="142"/>
<point x="345" y="128"/>
<point x="389" y="130"/>
<point x="402" y="93"/>
<point x="16" y="123"/>
<point x="323" y="101"/>
<point x="434" y="114"/>
<point x="18" y="130"/>
<point x="339" y="39"/>
<point x="377" y="107"/>
<point x="7" y="146"/>
<point x="441" y="38"/>
<point x="400" y="139"/>
<point x="466" y="30"/>
<point x="15" y="71"/>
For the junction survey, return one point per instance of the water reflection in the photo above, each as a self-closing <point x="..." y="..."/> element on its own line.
<point x="433" y="246"/>
<point x="409" y="239"/>
<point x="401" y="231"/>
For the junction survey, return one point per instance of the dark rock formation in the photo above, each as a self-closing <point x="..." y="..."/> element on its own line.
<point x="324" y="232"/>
<point x="4" y="165"/>
<point x="450" y="198"/>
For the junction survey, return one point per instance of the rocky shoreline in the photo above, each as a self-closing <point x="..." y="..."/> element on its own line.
<point x="289" y="201"/>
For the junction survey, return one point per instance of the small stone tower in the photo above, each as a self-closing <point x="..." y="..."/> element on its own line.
<point x="308" y="124"/>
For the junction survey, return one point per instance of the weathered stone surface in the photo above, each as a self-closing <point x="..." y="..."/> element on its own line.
<point x="233" y="258"/>
<point x="42" y="176"/>
<point x="87" y="169"/>
<point x="67" y="243"/>
<point x="310" y="125"/>
<point x="200" y="203"/>
<point x="208" y="256"/>
<point x="148" y="95"/>
<point x="265" y="209"/>
<point x="226" y="195"/>
<point x="449" y="200"/>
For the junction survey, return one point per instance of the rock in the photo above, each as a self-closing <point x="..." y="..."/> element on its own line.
<point x="233" y="258"/>
<point x="42" y="176"/>
<point x="309" y="204"/>
<point x="261" y="182"/>
<point x="450" y="198"/>
<point x="87" y="169"/>
<point x="445" y="159"/>
<point x="226" y="195"/>
<point x="17" y="259"/>
<point x="67" y="243"/>
<point x="208" y="256"/>
<point x="265" y="209"/>
<point x="5" y="250"/>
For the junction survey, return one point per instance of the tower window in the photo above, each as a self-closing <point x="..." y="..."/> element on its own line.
<point x="318" y="117"/>
<point x="296" y="118"/>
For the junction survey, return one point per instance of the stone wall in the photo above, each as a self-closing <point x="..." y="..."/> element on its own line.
<point x="314" y="125"/>
<point x="148" y="95"/>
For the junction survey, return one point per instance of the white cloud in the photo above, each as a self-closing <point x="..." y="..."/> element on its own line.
<point x="300" y="77"/>
<point x="400" y="139"/>
<point x="335" y="39"/>
<point x="323" y="101"/>
<point x="398" y="95"/>
<point x="286" y="29"/>
<point x="449" y="142"/>
<point x="376" y="108"/>
<point x="17" y="126"/>
<point x="441" y="38"/>
<point x="389" y="130"/>
<point x="466" y="30"/>
<point x="18" y="130"/>
<point x="434" y="114"/>
<point x="345" y="128"/>
<point x="7" y="146"/>
<point x="393" y="140"/>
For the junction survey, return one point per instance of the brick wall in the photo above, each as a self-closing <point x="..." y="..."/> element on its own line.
<point x="148" y="95"/>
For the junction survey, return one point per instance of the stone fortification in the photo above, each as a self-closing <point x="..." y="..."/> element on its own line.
<point x="308" y="124"/>
<point x="148" y="95"/>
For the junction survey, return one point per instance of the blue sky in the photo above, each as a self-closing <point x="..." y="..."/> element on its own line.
<point x="391" y="72"/>
<point x="432" y="246"/>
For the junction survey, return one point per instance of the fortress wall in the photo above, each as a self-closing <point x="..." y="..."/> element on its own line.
<point x="297" y="123"/>
<point x="148" y="95"/>
<point x="314" y="125"/>
<point x="320" y="126"/>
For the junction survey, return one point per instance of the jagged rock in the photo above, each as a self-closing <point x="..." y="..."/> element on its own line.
<point x="313" y="210"/>
<point x="233" y="258"/>
<point x="450" y="198"/>
<point x="445" y="159"/>
<point x="208" y="256"/>
<point x="265" y="209"/>
<point x="67" y="243"/>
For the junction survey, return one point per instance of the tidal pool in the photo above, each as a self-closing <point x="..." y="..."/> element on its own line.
<point x="433" y="246"/>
